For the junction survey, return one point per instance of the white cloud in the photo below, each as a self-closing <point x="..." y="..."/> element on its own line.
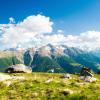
<point x="33" y="31"/>
<point x="60" y="31"/>
<point x="25" y="31"/>
<point x="89" y="40"/>
<point x="11" y="20"/>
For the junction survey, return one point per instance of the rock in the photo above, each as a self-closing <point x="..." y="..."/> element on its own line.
<point x="81" y="84"/>
<point x="4" y="77"/>
<point x="66" y="76"/>
<point x="18" y="77"/>
<point x="67" y="91"/>
<point x="18" y="68"/>
<point x="81" y="78"/>
<point x="49" y="80"/>
<point x="88" y="78"/>
<point x="35" y="94"/>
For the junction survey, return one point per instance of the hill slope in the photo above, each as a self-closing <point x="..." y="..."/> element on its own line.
<point x="46" y="86"/>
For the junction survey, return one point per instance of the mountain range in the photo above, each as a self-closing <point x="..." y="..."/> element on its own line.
<point x="56" y="58"/>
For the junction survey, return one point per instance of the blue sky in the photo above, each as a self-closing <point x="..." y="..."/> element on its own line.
<point x="39" y="22"/>
<point x="72" y="16"/>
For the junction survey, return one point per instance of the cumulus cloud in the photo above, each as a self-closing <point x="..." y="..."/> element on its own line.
<point x="24" y="32"/>
<point x="89" y="40"/>
<point x="33" y="31"/>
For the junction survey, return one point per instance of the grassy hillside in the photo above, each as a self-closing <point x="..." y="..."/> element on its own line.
<point x="44" y="64"/>
<point x="68" y="64"/>
<point x="88" y="60"/>
<point x="36" y="86"/>
<point x="5" y="62"/>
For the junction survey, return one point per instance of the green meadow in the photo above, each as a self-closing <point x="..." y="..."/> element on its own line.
<point x="48" y="86"/>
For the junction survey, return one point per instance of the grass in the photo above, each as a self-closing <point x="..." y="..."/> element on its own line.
<point x="36" y="87"/>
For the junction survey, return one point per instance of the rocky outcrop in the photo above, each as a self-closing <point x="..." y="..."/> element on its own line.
<point x="18" y="68"/>
<point x="66" y="76"/>
<point x="88" y="79"/>
<point x="87" y="75"/>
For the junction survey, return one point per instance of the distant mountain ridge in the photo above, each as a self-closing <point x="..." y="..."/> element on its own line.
<point x="60" y="58"/>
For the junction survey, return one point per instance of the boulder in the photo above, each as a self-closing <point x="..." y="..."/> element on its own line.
<point x="66" y="76"/>
<point x="87" y="75"/>
<point x="18" y="68"/>
<point x="88" y="78"/>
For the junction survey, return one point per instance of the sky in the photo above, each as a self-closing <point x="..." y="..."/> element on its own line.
<point x="29" y="22"/>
